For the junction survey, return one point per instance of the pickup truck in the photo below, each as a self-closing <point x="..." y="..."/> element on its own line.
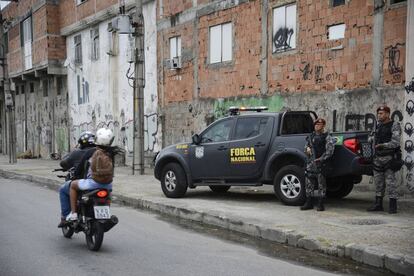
<point x="260" y="148"/>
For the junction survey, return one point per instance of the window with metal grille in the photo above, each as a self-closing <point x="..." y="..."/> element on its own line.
<point x="78" y="49"/>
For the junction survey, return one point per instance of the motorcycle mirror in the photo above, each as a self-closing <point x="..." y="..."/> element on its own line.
<point x="196" y="139"/>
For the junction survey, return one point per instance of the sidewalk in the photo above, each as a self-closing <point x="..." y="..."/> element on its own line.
<point x="345" y="229"/>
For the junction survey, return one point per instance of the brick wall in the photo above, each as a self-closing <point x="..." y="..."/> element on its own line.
<point x="395" y="21"/>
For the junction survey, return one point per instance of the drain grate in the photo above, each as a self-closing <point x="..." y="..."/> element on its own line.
<point x="365" y="221"/>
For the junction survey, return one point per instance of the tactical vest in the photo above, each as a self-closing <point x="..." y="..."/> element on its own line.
<point x="383" y="133"/>
<point x="319" y="143"/>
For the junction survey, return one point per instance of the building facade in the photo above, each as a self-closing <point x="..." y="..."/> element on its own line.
<point x="72" y="70"/>
<point x="340" y="58"/>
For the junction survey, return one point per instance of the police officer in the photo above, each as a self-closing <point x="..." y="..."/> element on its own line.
<point x="318" y="148"/>
<point x="386" y="139"/>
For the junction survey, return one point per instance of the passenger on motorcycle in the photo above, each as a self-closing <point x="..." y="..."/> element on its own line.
<point x="100" y="166"/>
<point x="71" y="161"/>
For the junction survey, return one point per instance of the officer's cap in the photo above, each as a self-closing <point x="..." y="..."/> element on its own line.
<point x="319" y="121"/>
<point x="383" y="108"/>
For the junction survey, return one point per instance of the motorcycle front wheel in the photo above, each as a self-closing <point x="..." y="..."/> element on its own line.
<point x="94" y="237"/>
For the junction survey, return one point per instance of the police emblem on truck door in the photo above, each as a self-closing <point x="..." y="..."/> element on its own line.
<point x="199" y="152"/>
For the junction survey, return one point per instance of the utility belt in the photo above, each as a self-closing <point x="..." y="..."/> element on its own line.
<point x="396" y="162"/>
<point x="385" y="152"/>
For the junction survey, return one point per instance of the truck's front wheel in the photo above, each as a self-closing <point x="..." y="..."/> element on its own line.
<point x="173" y="181"/>
<point x="289" y="185"/>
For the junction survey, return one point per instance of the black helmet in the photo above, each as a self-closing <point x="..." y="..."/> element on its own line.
<point x="86" y="139"/>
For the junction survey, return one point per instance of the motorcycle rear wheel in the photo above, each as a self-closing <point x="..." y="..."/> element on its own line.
<point x="67" y="231"/>
<point x="94" y="237"/>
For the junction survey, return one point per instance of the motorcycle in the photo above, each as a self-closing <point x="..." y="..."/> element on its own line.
<point x="94" y="216"/>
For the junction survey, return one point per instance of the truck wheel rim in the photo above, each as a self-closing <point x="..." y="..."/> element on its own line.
<point x="170" y="181"/>
<point x="290" y="186"/>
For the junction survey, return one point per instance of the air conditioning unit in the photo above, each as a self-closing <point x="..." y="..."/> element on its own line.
<point x="174" y="63"/>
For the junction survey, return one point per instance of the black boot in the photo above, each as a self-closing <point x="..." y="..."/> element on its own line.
<point x="320" y="205"/>
<point x="377" y="205"/>
<point x="308" y="204"/>
<point x="393" y="206"/>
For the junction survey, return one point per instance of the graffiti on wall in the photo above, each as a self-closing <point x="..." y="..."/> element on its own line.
<point x="367" y="121"/>
<point x="282" y="38"/>
<point x="408" y="129"/>
<point x="83" y="90"/>
<point x="395" y="67"/>
<point x="316" y="73"/>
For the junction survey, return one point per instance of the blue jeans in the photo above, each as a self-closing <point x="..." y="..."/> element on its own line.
<point x="64" y="197"/>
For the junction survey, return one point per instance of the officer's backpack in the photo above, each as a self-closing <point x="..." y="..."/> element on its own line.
<point x="102" y="167"/>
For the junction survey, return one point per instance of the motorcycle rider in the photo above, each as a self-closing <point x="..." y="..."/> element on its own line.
<point x="103" y="140"/>
<point x="71" y="161"/>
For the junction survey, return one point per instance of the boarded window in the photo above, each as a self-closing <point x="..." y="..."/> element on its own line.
<point x="284" y="28"/>
<point x="95" y="44"/>
<point x="336" y="32"/>
<point x="78" y="49"/>
<point x="175" y="47"/>
<point x="221" y="43"/>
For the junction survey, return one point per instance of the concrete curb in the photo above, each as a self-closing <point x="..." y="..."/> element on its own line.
<point x="397" y="263"/>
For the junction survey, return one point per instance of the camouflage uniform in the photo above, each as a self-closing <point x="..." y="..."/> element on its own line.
<point x="386" y="177"/>
<point x="313" y="169"/>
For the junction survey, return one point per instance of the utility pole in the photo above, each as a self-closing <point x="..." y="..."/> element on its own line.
<point x="8" y="98"/>
<point x="139" y="83"/>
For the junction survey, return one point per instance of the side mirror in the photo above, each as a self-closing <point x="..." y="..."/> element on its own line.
<point x="196" y="139"/>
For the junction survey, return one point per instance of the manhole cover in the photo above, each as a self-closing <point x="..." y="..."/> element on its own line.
<point x="365" y="221"/>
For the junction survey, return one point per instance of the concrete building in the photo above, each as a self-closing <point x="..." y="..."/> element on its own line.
<point x="98" y="62"/>
<point x="340" y="58"/>
<point x="69" y="66"/>
<point x="36" y="52"/>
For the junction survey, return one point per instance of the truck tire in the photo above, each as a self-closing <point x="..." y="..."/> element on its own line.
<point x="339" y="188"/>
<point x="289" y="185"/>
<point x="219" y="189"/>
<point x="173" y="181"/>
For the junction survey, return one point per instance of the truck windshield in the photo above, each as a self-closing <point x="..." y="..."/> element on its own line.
<point x="297" y="123"/>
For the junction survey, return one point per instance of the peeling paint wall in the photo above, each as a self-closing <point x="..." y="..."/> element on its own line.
<point x="99" y="92"/>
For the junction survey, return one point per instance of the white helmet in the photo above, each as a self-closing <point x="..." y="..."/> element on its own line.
<point x="104" y="137"/>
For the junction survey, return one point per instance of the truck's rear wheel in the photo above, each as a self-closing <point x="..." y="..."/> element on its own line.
<point x="289" y="185"/>
<point x="339" y="187"/>
<point x="173" y="181"/>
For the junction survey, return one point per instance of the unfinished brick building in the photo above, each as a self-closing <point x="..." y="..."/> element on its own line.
<point x="340" y="58"/>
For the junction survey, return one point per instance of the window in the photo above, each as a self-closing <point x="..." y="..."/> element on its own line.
<point x="95" y="44"/>
<point x="31" y="87"/>
<point x="337" y="2"/>
<point x="6" y="43"/>
<point x="397" y="1"/>
<point x="220" y="132"/>
<point x="45" y="88"/>
<point x="17" y="90"/>
<point x="59" y="85"/>
<point x="78" y="49"/>
<point x="284" y="28"/>
<point x="336" y="32"/>
<point x="26" y="39"/>
<point x="78" y="2"/>
<point x="23" y="90"/>
<point x="175" y="47"/>
<point x="113" y="41"/>
<point x="249" y="127"/>
<point x="221" y="43"/>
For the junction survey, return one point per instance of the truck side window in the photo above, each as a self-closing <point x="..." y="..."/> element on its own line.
<point x="218" y="133"/>
<point x="295" y="123"/>
<point x="249" y="127"/>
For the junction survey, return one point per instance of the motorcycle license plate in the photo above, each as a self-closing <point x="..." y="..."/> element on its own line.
<point x="102" y="212"/>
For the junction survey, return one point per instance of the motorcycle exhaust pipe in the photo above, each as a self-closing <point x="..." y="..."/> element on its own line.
<point x="108" y="224"/>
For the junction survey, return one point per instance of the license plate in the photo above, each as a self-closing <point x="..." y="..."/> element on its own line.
<point x="102" y="212"/>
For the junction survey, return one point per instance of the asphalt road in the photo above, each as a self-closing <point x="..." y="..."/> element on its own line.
<point x="141" y="244"/>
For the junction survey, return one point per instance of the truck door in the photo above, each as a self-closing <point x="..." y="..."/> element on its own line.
<point x="249" y="145"/>
<point x="210" y="158"/>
